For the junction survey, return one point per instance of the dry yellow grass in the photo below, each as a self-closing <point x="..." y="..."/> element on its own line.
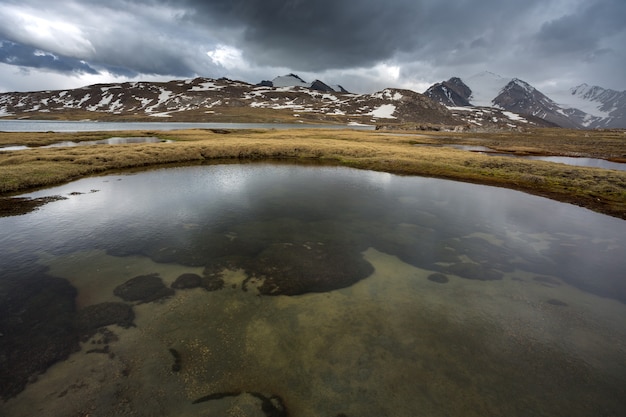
<point x="597" y="189"/>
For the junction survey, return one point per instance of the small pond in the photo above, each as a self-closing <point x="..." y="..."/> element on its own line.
<point x="580" y="161"/>
<point x="568" y="160"/>
<point x="269" y="289"/>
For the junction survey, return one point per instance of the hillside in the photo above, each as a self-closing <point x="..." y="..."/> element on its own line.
<point x="225" y="100"/>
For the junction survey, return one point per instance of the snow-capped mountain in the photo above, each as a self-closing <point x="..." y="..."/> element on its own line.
<point x="520" y="97"/>
<point x="579" y="107"/>
<point x="224" y="100"/>
<point x="603" y="108"/>
<point x="478" y="90"/>
<point x="451" y="93"/>
<point x="293" y="80"/>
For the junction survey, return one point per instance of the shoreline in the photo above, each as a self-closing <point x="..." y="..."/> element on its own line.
<point x="600" y="190"/>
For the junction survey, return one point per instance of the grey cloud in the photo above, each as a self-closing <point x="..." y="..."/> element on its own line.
<point x="583" y="30"/>
<point x="26" y="56"/>
<point x="432" y="39"/>
<point x="126" y="38"/>
<point x="322" y="34"/>
<point x="314" y="35"/>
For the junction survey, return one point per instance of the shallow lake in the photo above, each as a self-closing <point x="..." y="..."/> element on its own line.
<point x="93" y="126"/>
<point x="268" y="289"/>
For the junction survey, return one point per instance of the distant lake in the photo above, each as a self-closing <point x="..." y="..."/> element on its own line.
<point x="92" y="126"/>
<point x="310" y="291"/>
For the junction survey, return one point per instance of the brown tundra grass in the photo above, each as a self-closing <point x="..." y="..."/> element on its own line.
<point x="597" y="189"/>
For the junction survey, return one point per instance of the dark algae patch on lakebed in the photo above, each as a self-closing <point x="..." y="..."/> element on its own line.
<point x="36" y="326"/>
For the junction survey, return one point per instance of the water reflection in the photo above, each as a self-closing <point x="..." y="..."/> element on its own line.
<point x="568" y="160"/>
<point x="10" y="125"/>
<point x="530" y="315"/>
<point x="580" y="161"/>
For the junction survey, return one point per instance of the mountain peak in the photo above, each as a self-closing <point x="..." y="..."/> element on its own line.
<point x="516" y="82"/>
<point x="589" y="92"/>
<point x="289" y="80"/>
<point x="579" y="88"/>
<point x="453" y="93"/>
<point x="294" y="80"/>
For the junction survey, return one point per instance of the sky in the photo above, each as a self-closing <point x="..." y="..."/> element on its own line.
<point x="363" y="45"/>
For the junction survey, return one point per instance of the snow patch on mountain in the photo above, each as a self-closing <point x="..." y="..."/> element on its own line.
<point x="207" y="86"/>
<point x="384" y="111"/>
<point x="514" y="116"/>
<point x="388" y="94"/>
<point x="485" y="87"/>
<point x="576" y="98"/>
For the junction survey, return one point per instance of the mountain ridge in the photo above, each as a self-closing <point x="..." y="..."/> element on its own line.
<point x="582" y="107"/>
<point x="224" y="100"/>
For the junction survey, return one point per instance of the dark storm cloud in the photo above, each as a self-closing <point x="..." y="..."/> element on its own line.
<point x="322" y="34"/>
<point x="373" y="43"/>
<point x="582" y="30"/>
<point x="26" y="56"/>
<point x="316" y="35"/>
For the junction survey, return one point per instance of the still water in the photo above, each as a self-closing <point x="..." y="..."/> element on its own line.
<point x="92" y="126"/>
<point x="281" y="290"/>
<point x="567" y="160"/>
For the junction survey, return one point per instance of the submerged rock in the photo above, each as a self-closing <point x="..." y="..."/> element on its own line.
<point x="212" y="283"/>
<point x="91" y="318"/>
<point x="143" y="288"/>
<point x="36" y="324"/>
<point x="176" y="367"/>
<point x="438" y="278"/>
<point x="292" y="269"/>
<point x="187" y="281"/>
<point x="474" y="271"/>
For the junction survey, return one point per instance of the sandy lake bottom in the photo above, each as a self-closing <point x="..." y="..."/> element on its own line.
<point x="419" y="335"/>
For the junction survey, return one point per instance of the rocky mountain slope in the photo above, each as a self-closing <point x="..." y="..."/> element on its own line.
<point x="451" y="93"/>
<point x="520" y="97"/>
<point x="580" y="107"/>
<point x="224" y="100"/>
<point x="602" y="108"/>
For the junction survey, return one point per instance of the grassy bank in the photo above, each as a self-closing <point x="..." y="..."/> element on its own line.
<point x="600" y="190"/>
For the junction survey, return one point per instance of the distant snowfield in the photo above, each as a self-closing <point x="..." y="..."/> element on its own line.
<point x="566" y="99"/>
